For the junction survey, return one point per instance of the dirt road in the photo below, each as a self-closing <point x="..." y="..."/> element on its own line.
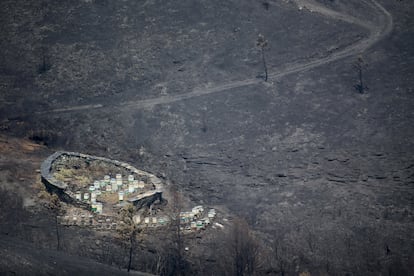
<point x="377" y="32"/>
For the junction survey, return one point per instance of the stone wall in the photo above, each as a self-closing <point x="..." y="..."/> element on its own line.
<point x="61" y="189"/>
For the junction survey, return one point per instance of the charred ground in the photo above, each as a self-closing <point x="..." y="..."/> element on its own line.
<point x="311" y="163"/>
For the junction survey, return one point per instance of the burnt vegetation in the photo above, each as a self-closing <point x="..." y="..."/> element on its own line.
<point x="310" y="173"/>
<point x="360" y="67"/>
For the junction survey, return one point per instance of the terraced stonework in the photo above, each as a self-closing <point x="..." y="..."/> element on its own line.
<point x="90" y="168"/>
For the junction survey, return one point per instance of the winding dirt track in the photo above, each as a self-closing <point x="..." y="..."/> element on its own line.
<point x="378" y="30"/>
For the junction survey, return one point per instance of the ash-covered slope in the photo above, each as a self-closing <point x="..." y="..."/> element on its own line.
<point x="22" y="258"/>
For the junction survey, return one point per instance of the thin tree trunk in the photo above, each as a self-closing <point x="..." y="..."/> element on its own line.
<point x="57" y="233"/>
<point x="264" y="63"/>
<point x="179" y="248"/>
<point x="130" y="252"/>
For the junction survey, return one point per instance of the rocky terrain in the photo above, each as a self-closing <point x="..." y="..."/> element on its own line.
<point x="176" y="88"/>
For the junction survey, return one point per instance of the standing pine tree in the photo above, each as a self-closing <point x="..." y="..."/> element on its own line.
<point x="262" y="44"/>
<point x="359" y="66"/>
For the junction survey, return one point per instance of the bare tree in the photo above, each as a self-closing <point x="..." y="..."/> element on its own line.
<point x="266" y="5"/>
<point x="45" y="65"/>
<point x="243" y="249"/>
<point x="177" y="250"/>
<point x="279" y="256"/>
<point x="52" y="202"/>
<point x="263" y="44"/>
<point x="359" y="66"/>
<point x="127" y="230"/>
<point x="170" y="258"/>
